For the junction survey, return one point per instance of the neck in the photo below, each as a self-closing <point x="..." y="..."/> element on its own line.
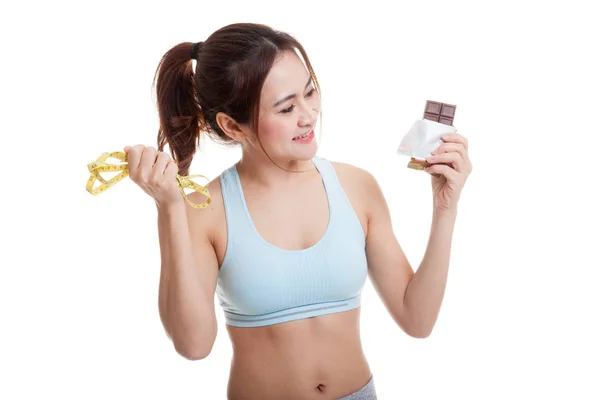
<point x="260" y="170"/>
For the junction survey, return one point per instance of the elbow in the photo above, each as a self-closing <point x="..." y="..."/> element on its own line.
<point x="414" y="327"/>
<point x="411" y="328"/>
<point x="197" y="344"/>
<point x="420" y="335"/>
<point x="420" y="332"/>
<point x="194" y="350"/>
<point x="193" y="353"/>
<point x="414" y="333"/>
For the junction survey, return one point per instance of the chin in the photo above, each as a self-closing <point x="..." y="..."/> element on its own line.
<point x="307" y="153"/>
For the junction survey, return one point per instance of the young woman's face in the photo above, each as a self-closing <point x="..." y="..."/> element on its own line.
<point x="289" y="107"/>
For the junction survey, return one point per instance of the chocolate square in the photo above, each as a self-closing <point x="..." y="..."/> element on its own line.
<point x="439" y="112"/>
<point x="448" y="111"/>
<point x="433" y="107"/>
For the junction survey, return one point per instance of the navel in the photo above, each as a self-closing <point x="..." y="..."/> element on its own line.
<point x="321" y="388"/>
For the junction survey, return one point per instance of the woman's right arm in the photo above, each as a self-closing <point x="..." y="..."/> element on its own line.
<point x="189" y="267"/>
<point x="188" y="278"/>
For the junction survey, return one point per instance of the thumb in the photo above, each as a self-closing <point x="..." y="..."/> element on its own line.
<point x="126" y="149"/>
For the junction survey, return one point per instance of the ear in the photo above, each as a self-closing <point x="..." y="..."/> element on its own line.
<point x="231" y="128"/>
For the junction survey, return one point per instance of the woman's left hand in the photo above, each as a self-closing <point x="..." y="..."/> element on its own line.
<point x="450" y="171"/>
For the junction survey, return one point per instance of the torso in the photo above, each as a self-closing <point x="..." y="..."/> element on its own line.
<point x="314" y="358"/>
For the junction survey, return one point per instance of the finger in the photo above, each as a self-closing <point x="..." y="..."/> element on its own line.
<point x="452" y="147"/>
<point x="162" y="160"/>
<point x="171" y="171"/>
<point x="452" y="158"/>
<point x="457" y="138"/>
<point x="442" y="169"/>
<point x="171" y="162"/>
<point x="147" y="163"/>
<point x="133" y="159"/>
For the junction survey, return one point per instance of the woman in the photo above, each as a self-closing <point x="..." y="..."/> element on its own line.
<point x="289" y="237"/>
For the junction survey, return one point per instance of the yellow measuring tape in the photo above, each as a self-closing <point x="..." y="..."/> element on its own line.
<point x="100" y="165"/>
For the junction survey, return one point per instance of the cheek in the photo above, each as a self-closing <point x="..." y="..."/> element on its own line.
<point x="274" y="129"/>
<point x="317" y="102"/>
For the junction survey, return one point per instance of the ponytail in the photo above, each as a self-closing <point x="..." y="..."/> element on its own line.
<point x="181" y="119"/>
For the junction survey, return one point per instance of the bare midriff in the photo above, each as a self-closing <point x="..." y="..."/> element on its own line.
<point x="314" y="358"/>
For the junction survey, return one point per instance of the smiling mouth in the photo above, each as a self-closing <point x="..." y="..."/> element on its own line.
<point x="302" y="136"/>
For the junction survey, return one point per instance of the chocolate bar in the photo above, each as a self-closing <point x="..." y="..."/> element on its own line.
<point x="438" y="112"/>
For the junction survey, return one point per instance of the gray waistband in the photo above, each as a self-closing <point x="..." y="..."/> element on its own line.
<point x="367" y="392"/>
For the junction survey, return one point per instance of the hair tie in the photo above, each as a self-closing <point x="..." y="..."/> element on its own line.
<point x="194" y="49"/>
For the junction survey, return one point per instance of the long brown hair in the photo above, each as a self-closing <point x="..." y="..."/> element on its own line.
<point x="232" y="65"/>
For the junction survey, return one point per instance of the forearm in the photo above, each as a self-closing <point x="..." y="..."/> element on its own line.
<point x="185" y="309"/>
<point x="425" y="291"/>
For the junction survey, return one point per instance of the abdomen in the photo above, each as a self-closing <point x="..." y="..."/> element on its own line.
<point x="314" y="358"/>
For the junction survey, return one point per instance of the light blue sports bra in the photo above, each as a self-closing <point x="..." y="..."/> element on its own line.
<point x="261" y="284"/>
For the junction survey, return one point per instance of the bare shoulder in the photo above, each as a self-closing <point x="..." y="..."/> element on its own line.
<point x="359" y="186"/>
<point x="354" y="178"/>
<point x="206" y="219"/>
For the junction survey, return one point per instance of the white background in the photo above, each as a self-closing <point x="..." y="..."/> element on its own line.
<point x="79" y="274"/>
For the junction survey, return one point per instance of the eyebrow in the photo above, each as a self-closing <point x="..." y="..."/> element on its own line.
<point x="291" y="96"/>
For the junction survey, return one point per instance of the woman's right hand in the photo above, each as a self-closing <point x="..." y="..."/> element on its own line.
<point x="155" y="172"/>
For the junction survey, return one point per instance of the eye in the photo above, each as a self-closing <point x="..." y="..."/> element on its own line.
<point x="288" y="110"/>
<point x="291" y="108"/>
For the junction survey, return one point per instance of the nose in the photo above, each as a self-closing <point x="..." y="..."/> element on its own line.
<point x="308" y="114"/>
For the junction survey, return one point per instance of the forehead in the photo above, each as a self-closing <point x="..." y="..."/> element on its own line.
<point x="287" y="76"/>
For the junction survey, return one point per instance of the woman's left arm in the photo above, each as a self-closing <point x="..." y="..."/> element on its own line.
<point x="414" y="298"/>
<point x="425" y="291"/>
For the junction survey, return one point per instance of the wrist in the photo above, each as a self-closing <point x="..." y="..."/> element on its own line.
<point x="445" y="212"/>
<point x="170" y="207"/>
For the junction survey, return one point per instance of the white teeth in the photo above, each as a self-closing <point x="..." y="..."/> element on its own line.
<point x="303" y="136"/>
